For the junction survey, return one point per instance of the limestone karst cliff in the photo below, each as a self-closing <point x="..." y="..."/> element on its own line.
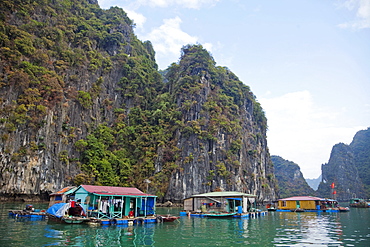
<point x="82" y="101"/>
<point x="60" y="68"/>
<point x="290" y="179"/>
<point x="223" y="137"/>
<point x="348" y="168"/>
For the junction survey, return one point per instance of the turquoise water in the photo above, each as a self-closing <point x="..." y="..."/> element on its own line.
<point x="275" y="229"/>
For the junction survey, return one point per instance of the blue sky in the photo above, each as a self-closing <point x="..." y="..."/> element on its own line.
<point x="307" y="62"/>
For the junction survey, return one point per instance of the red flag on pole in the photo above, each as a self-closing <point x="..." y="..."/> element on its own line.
<point x="332" y="185"/>
<point x="335" y="192"/>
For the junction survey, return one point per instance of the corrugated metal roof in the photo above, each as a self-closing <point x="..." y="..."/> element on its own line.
<point x="302" y="198"/>
<point x="110" y="190"/>
<point x="223" y="194"/>
<point x="66" y="190"/>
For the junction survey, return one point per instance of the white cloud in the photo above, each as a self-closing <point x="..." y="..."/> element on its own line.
<point x="208" y="46"/>
<point x="190" y="4"/>
<point x="362" y="8"/>
<point x="168" y="39"/>
<point x="302" y="132"/>
<point x="105" y="4"/>
<point x="138" y="18"/>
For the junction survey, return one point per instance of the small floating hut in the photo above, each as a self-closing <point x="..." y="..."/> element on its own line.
<point x="106" y="202"/>
<point x="62" y="195"/>
<point x="228" y="202"/>
<point x="309" y="204"/>
<point x="107" y="205"/>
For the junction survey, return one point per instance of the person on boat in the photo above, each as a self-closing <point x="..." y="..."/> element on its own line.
<point x="76" y="209"/>
<point x="131" y="214"/>
<point x="203" y="208"/>
<point x="29" y="207"/>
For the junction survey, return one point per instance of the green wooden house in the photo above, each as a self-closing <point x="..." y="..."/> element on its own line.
<point x="107" y="202"/>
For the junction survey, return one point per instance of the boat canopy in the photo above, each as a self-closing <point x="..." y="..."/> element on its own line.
<point x="58" y="209"/>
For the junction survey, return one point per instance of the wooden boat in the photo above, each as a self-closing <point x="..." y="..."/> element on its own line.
<point x="272" y="206"/>
<point x="25" y="213"/>
<point x="219" y="214"/>
<point x="298" y="210"/>
<point x="343" y="209"/>
<point x="29" y="211"/>
<point x="359" y="203"/>
<point x="74" y="220"/>
<point x="68" y="219"/>
<point x="59" y="213"/>
<point x="166" y="218"/>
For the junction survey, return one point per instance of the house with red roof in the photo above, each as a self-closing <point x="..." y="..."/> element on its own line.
<point x="306" y="203"/>
<point x="107" y="202"/>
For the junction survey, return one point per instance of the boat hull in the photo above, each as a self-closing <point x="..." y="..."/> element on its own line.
<point x="220" y="215"/>
<point x="168" y="218"/>
<point x="68" y="220"/>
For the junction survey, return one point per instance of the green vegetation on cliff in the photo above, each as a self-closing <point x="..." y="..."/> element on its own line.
<point x="89" y="98"/>
<point x="290" y="179"/>
<point x="348" y="168"/>
<point x="361" y="149"/>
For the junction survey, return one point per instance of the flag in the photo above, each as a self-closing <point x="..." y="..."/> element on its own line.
<point x="332" y="185"/>
<point x="334" y="192"/>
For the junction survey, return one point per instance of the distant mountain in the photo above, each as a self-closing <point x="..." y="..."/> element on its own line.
<point x="290" y="179"/>
<point x="361" y="151"/>
<point x="314" y="182"/>
<point x="348" y="168"/>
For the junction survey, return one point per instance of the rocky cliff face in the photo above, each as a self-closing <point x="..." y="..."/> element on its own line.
<point x="82" y="102"/>
<point x="341" y="171"/>
<point x="290" y="179"/>
<point x="48" y="77"/>
<point x="361" y="151"/>
<point x="223" y="141"/>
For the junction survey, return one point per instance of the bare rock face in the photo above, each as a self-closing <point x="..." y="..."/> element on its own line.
<point x="66" y="69"/>
<point x="41" y="110"/>
<point x="223" y="141"/>
<point x="342" y="171"/>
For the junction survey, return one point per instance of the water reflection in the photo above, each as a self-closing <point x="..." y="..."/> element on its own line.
<point x="80" y="235"/>
<point x="275" y="229"/>
<point x="308" y="228"/>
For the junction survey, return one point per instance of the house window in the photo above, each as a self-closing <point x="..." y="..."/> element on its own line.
<point x="284" y="203"/>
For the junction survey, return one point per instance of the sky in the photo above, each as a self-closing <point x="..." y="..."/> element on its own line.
<point x="306" y="61"/>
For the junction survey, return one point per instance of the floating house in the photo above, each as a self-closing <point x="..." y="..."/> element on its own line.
<point x="309" y="203"/>
<point x="107" y="202"/>
<point x="107" y="205"/>
<point x="359" y="203"/>
<point x="226" y="202"/>
<point x="62" y="195"/>
<point x="299" y="203"/>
